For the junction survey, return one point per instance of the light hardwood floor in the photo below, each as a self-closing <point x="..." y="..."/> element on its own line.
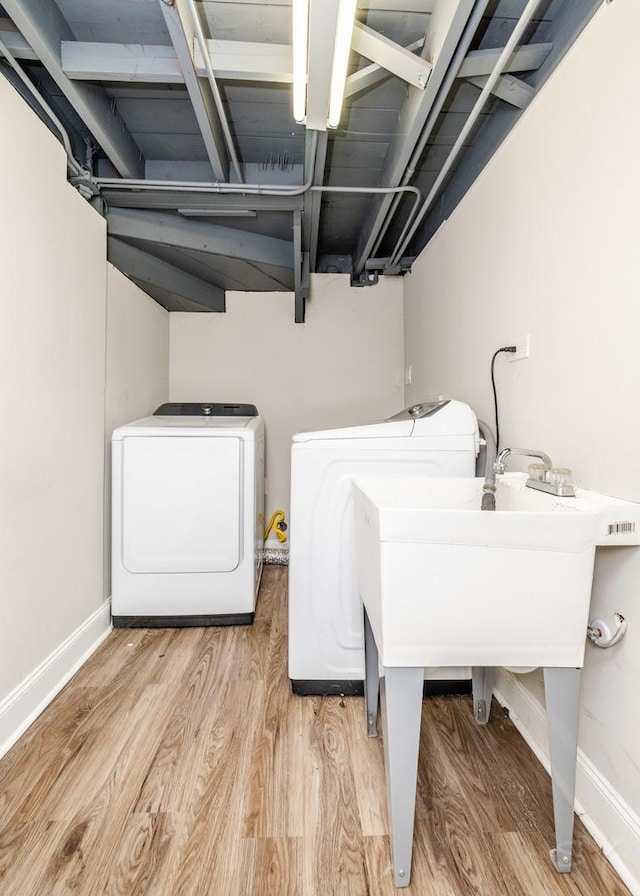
<point x="178" y="763"/>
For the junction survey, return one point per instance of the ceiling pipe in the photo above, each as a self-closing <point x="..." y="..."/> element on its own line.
<point x="213" y="84"/>
<point x="448" y="81"/>
<point x="496" y="72"/>
<point x="74" y="165"/>
<point x="216" y="188"/>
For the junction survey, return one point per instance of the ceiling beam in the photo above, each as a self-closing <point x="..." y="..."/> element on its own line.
<point x="271" y="63"/>
<point x="511" y="90"/>
<point x="200" y="94"/>
<point x="91" y="61"/>
<point x="182" y="233"/>
<point x="15" y="42"/>
<point x="44" y="27"/>
<point x="395" y="59"/>
<point x="147" y="269"/>
<point x="398" y="5"/>
<point x="232" y="60"/>
<point x="446" y="28"/>
<point x="525" y="59"/>
<point x="236" y="60"/>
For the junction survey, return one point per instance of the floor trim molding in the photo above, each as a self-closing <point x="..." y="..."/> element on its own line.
<point x="25" y="703"/>
<point x="609" y="819"/>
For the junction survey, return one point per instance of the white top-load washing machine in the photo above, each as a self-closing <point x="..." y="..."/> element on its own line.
<point x="188" y="516"/>
<point x="435" y="438"/>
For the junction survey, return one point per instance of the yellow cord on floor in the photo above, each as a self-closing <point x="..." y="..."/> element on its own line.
<point x="278" y="524"/>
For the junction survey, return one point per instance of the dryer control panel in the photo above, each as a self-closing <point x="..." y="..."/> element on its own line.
<point x="205" y="409"/>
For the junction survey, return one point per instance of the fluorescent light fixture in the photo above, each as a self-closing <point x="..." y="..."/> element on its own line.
<point x="344" y="32"/>
<point x="217" y="212"/>
<point x="318" y="76"/>
<point x="300" y="58"/>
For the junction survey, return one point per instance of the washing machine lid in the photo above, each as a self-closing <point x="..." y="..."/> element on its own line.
<point x="448" y="418"/>
<point x="246" y="428"/>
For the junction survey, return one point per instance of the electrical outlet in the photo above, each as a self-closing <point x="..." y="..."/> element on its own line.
<point x="522" y="345"/>
<point x="407" y="375"/>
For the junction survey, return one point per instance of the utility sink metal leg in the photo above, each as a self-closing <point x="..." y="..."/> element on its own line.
<point x="562" y="694"/>
<point x="371" y="679"/>
<point x="401" y="693"/>
<point x="482" y="679"/>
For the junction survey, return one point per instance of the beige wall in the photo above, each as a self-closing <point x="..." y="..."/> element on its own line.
<point x="52" y="379"/>
<point x="137" y="352"/>
<point x="343" y="366"/>
<point x="81" y="350"/>
<point x="546" y="243"/>
<point x="137" y="371"/>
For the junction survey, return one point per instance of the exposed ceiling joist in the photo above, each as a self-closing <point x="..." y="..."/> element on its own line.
<point x="235" y="60"/>
<point x="16" y="42"/>
<point x="172" y="230"/>
<point x="398" y="5"/>
<point x="526" y="58"/>
<point x="44" y="28"/>
<point x="91" y="61"/>
<point x="151" y="271"/>
<point x="202" y="100"/>
<point x="446" y="27"/>
<point x="511" y="90"/>
<point x="231" y="60"/>
<point x="395" y="59"/>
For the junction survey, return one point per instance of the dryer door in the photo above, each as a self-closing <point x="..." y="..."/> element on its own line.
<point x="181" y="504"/>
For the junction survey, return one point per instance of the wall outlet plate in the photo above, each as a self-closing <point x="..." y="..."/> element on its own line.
<point x="523" y="348"/>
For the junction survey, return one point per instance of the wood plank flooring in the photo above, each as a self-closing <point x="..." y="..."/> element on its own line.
<point x="178" y="763"/>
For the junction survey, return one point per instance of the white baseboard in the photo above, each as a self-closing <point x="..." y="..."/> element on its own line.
<point x="24" y="704"/>
<point x="610" y="821"/>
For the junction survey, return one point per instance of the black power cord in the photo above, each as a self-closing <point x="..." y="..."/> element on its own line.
<point x="505" y="348"/>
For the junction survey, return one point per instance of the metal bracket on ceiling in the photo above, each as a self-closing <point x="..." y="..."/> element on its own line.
<point x="366" y="278"/>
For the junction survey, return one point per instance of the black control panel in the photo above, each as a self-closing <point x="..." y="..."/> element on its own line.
<point x="205" y="409"/>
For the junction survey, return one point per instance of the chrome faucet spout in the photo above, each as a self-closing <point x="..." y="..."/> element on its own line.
<point x="499" y="465"/>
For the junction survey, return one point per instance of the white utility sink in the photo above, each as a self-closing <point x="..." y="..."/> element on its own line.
<point x="447" y="584"/>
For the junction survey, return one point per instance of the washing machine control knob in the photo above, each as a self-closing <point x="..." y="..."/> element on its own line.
<point x="206" y="408"/>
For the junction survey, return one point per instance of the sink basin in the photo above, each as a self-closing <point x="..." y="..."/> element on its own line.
<point x="446" y="584"/>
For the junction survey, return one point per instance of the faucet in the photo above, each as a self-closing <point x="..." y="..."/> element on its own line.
<point x="499" y="466"/>
<point x="553" y="482"/>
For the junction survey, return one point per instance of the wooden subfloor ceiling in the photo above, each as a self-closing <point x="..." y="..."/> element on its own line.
<point x="178" y="763"/>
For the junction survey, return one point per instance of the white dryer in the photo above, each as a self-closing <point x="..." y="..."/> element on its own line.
<point x="438" y="438"/>
<point x="188" y="516"/>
